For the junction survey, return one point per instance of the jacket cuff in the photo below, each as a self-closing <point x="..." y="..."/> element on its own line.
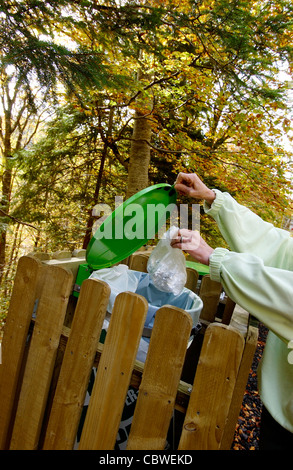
<point x="216" y="204"/>
<point x="215" y="264"/>
<point x="290" y="355"/>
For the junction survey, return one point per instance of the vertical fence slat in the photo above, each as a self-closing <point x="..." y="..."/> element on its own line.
<point x="41" y="357"/>
<point x="77" y="364"/>
<point x="14" y="339"/>
<point x="160" y="380"/>
<point x="239" y="390"/>
<point x="213" y="388"/>
<point x="209" y="292"/>
<point x="114" y="372"/>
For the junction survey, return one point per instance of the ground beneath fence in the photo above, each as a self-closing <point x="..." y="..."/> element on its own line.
<point x="248" y="426"/>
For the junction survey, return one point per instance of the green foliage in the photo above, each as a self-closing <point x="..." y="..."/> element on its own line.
<point x="210" y="70"/>
<point x="59" y="177"/>
<point x="29" y="41"/>
<point x="214" y="95"/>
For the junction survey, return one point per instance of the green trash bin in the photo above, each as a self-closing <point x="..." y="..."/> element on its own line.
<point x="126" y="230"/>
<point x="131" y="225"/>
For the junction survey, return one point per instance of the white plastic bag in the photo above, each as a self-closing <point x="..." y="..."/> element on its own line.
<point x="119" y="278"/>
<point x="167" y="265"/>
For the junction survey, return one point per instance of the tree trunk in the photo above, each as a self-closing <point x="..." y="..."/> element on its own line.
<point x="140" y="154"/>
<point x="6" y="193"/>
<point x="4" y="220"/>
<point x="91" y="218"/>
<point x="15" y="119"/>
<point x="140" y="151"/>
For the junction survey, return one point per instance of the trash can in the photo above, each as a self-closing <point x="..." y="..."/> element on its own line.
<point x="120" y="278"/>
<point x="114" y="242"/>
<point x="130" y="226"/>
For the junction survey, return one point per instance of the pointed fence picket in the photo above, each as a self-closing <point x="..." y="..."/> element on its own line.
<point x="46" y="367"/>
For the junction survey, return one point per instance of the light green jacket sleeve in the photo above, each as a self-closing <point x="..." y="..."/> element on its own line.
<point x="246" y="232"/>
<point x="258" y="273"/>
<point x="265" y="292"/>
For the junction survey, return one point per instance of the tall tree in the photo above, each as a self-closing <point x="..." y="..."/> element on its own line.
<point x="214" y="88"/>
<point x="19" y="122"/>
<point x="40" y="45"/>
<point x="215" y="63"/>
<point x="222" y="59"/>
<point x="61" y="177"/>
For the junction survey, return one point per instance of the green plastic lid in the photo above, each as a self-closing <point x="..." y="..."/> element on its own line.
<point x="131" y="225"/>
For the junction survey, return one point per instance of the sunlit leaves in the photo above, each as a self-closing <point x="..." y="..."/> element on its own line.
<point x="210" y="71"/>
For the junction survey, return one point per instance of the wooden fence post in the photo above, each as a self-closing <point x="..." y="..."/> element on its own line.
<point x="41" y="357"/>
<point x="14" y="340"/>
<point x="114" y="372"/>
<point x="213" y="388"/>
<point x="77" y="364"/>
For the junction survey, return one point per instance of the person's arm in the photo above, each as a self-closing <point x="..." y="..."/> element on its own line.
<point x="265" y="292"/>
<point x="245" y="231"/>
<point x="192" y="243"/>
<point x="189" y="184"/>
<point x="242" y="229"/>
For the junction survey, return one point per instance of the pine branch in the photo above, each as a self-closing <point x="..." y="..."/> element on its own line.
<point x="15" y="219"/>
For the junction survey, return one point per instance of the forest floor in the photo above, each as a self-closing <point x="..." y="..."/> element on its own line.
<point x="248" y="425"/>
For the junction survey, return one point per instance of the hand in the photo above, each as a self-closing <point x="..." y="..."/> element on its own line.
<point x="190" y="184"/>
<point x="191" y="242"/>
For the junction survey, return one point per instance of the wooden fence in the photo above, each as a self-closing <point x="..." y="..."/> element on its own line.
<point x="51" y="343"/>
